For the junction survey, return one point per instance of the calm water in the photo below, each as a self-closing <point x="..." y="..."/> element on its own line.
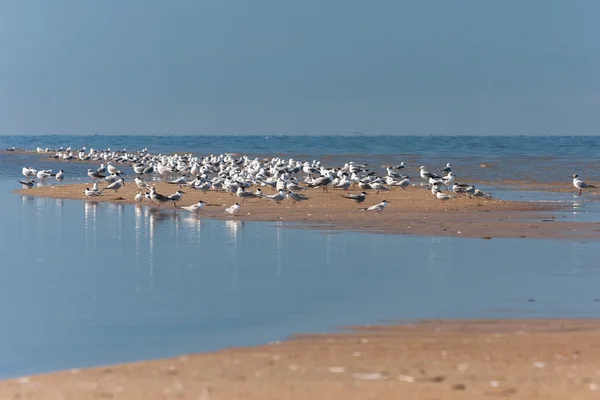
<point x="86" y="284"/>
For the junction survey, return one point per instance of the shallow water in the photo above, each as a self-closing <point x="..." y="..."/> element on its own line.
<point x="87" y="284"/>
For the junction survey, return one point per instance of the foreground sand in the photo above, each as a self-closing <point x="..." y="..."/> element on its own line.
<point x="412" y="211"/>
<point x="517" y="359"/>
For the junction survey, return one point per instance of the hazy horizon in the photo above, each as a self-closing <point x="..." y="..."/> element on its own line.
<point x="271" y="68"/>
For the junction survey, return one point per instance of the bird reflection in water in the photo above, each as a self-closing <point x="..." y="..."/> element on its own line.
<point x="27" y="200"/>
<point x="90" y="210"/>
<point x="155" y="217"/>
<point x="234" y="228"/>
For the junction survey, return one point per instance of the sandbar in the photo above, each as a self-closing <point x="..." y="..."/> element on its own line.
<point x="413" y="211"/>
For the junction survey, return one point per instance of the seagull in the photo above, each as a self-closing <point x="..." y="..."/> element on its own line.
<point x="426" y="175"/>
<point x="323" y="181"/>
<point x="460" y="187"/>
<point x="447" y="169"/>
<point x="404" y="183"/>
<point x="116" y="185"/>
<point x="139" y="168"/>
<point x="157" y="197"/>
<point x="296" y="197"/>
<point x="175" y="197"/>
<point x="140" y="182"/>
<point x="234" y="209"/>
<point x="27" y="184"/>
<point x="473" y="191"/>
<point x="92" y="193"/>
<point x="357" y="198"/>
<point x="95" y="175"/>
<point x="378" y="208"/>
<point x="112" y="169"/>
<point x="277" y="197"/>
<point x="441" y="196"/>
<point x="194" y="208"/>
<point x="43" y="174"/>
<point x="139" y="196"/>
<point x="580" y="185"/>
<point x="60" y="175"/>
<point x="449" y="179"/>
<point x="379" y="187"/>
<point x="242" y="194"/>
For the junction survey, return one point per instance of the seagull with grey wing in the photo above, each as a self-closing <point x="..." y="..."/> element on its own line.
<point x="296" y="197"/>
<point x="157" y="197"/>
<point x="580" y="185"/>
<point x="357" y="198"/>
<point x="116" y="185"/>
<point x="378" y="208"/>
<point x="242" y="194"/>
<point x="194" y="208"/>
<point x="95" y="175"/>
<point x="277" y="197"/>
<point x="175" y="197"/>
<point x="27" y="184"/>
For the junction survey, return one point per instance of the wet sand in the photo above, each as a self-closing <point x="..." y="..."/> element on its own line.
<point x="517" y="359"/>
<point x="412" y="212"/>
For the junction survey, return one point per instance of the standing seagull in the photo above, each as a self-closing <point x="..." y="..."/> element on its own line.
<point x="277" y="197"/>
<point x="116" y="185"/>
<point x="95" y="175"/>
<point x="234" y="209"/>
<point x="175" y="197"/>
<point x="157" y="197"/>
<point x="194" y="208"/>
<point x="579" y="184"/>
<point x="296" y="197"/>
<point x="378" y="208"/>
<point x="60" y="175"/>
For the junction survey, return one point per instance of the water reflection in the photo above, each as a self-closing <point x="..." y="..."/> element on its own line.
<point x="234" y="228"/>
<point x="221" y="289"/>
<point x="90" y="211"/>
<point x="27" y="200"/>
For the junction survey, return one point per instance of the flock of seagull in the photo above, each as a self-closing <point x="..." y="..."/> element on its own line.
<point x="236" y="175"/>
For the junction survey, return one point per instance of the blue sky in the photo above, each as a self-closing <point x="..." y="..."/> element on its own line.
<point x="299" y="67"/>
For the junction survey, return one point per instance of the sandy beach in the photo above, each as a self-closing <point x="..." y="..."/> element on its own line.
<point x="411" y="212"/>
<point x="460" y="359"/>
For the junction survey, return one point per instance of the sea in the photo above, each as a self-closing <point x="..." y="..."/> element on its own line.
<point x="85" y="284"/>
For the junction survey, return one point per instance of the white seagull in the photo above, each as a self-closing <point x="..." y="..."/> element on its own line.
<point x="116" y="185"/>
<point x="234" y="209"/>
<point x="580" y="185"/>
<point x="194" y="208"/>
<point x="60" y="175"/>
<point x="92" y="193"/>
<point x="277" y="197"/>
<point x="378" y="208"/>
